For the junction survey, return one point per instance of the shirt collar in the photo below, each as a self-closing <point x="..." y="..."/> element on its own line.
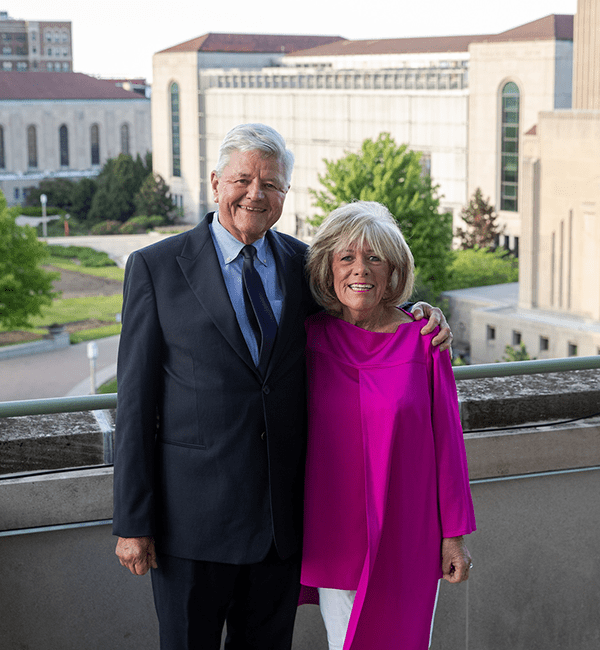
<point x="231" y="247"/>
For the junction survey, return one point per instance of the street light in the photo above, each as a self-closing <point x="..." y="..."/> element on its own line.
<point x="92" y="354"/>
<point x="44" y="200"/>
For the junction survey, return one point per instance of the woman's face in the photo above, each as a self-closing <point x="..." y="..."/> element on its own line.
<point x="360" y="278"/>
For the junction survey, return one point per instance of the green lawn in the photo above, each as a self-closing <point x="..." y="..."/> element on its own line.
<point x="69" y="310"/>
<point x="108" y="272"/>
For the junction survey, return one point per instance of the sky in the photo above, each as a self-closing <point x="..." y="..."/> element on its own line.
<point x="117" y="38"/>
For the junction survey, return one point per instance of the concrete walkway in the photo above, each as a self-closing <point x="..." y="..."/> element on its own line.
<point x="57" y="373"/>
<point x="118" y="247"/>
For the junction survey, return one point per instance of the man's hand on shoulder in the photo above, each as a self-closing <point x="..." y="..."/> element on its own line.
<point x="137" y="554"/>
<point x="435" y="317"/>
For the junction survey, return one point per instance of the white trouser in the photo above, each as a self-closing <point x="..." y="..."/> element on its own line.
<point x="336" y="607"/>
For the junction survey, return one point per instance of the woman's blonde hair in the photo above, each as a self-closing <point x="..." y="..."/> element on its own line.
<point x="360" y="223"/>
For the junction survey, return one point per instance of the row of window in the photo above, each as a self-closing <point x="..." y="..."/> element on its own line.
<point x="21" y="36"/>
<point x="409" y="79"/>
<point x="21" y="51"/>
<point x="63" y="145"/>
<point x="51" y="66"/>
<point x="544" y="341"/>
<point x="55" y="36"/>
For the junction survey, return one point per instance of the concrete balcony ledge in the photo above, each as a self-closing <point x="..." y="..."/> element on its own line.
<point x="526" y="399"/>
<point x="56" y="498"/>
<point x="535" y="491"/>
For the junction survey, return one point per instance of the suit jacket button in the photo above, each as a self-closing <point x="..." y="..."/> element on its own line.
<point x="266" y="390"/>
<point x="263" y="435"/>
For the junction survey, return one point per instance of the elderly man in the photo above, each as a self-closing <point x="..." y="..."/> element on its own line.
<point x="210" y="438"/>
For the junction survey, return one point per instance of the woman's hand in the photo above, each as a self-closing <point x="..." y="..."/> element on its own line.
<point x="456" y="559"/>
<point x="436" y="317"/>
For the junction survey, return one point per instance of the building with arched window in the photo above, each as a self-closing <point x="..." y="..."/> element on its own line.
<point x="175" y="139"/>
<point x="464" y="102"/>
<point x="95" y="144"/>
<point x="64" y="126"/>
<point x="63" y="143"/>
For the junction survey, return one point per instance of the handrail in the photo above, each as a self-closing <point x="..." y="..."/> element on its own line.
<point x="507" y="369"/>
<point x="58" y="405"/>
<point x="479" y="371"/>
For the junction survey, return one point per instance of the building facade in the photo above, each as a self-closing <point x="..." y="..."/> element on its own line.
<point x="442" y="96"/>
<point x="64" y="126"/>
<point x="35" y="46"/>
<point x="555" y="310"/>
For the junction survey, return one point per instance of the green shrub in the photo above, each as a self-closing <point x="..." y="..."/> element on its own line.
<point x="141" y="224"/>
<point x="106" y="228"/>
<point x="479" y="267"/>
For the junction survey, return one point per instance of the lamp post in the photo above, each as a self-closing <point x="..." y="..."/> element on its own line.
<point x="44" y="200"/>
<point x="92" y="354"/>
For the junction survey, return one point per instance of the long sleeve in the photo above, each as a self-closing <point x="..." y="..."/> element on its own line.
<point x="454" y="493"/>
<point x="138" y="374"/>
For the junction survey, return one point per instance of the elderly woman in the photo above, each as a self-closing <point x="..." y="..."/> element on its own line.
<point x="387" y="496"/>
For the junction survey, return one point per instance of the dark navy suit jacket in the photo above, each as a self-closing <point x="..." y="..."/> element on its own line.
<point x="209" y="457"/>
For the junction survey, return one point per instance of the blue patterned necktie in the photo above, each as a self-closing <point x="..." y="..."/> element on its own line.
<point x="258" y="308"/>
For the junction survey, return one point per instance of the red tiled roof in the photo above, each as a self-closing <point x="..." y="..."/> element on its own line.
<point x="554" y="26"/>
<point x="251" y="43"/>
<point x="396" y="46"/>
<point x="58" y="85"/>
<point x="532" y="130"/>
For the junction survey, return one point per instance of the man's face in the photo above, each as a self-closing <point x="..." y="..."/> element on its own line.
<point x="250" y="193"/>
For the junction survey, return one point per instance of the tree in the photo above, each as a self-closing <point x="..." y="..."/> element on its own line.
<point x="481" y="220"/>
<point x="479" y="267"/>
<point x="83" y="195"/>
<point x="154" y="198"/>
<point x="118" y="183"/>
<point x="518" y="353"/>
<point x="24" y="287"/>
<point x="392" y="175"/>
<point x="59" y="192"/>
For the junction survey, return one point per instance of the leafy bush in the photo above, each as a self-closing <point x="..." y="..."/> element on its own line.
<point x="25" y="288"/>
<point x="141" y="224"/>
<point x="87" y="256"/>
<point x="106" y="228"/>
<point x="34" y="211"/>
<point x="479" y="267"/>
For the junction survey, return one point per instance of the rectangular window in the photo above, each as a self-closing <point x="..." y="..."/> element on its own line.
<point x="544" y="343"/>
<point x="491" y="333"/>
<point x="516" y="338"/>
<point x="572" y="350"/>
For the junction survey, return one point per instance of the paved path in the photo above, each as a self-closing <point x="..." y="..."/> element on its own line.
<point x="57" y="373"/>
<point x="117" y="246"/>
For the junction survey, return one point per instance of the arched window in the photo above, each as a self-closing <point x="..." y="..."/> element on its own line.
<point x="95" y="140"/>
<point x="509" y="153"/>
<point x="175" y="135"/>
<point x="2" y="158"/>
<point x="32" y="158"/>
<point x="125" y="139"/>
<point x="63" y="141"/>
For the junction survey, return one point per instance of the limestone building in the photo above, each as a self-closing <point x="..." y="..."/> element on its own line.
<point x="556" y="310"/>
<point x="64" y="126"/>
<point x="464" y="102"/>
<point x="35" y="45"/>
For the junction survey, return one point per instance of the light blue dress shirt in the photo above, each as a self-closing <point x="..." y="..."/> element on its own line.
<point x="231" y="261"/>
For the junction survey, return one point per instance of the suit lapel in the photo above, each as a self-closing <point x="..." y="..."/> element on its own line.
<point x="289" y="270"/>
<point x="200" y="266"/>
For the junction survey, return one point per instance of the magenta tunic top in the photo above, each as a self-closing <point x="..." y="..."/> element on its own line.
<point x="386" y="476"/>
